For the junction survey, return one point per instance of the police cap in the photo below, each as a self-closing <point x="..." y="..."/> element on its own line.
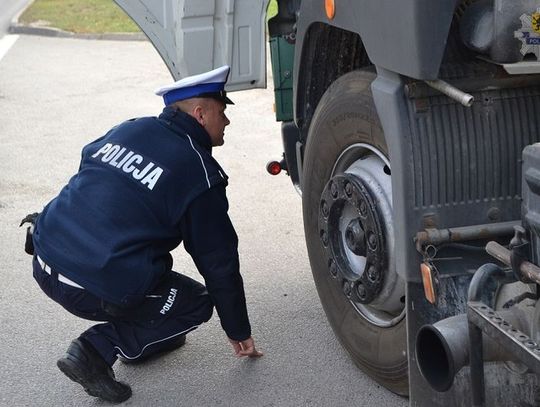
<point x="206" y="85"/>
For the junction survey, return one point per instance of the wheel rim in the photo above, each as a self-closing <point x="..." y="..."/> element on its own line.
<point x="356" y="230"/>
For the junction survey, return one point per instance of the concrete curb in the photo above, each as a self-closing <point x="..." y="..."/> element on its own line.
<point x="18" y="28"/>
<point x="55" y="32"/>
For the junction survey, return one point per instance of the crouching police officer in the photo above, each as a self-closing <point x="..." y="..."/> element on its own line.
<point x="102" y="246"/>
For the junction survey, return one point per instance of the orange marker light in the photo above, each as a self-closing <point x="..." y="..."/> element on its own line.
<point x="427" y="279"/>
<point x="330" y="7"/>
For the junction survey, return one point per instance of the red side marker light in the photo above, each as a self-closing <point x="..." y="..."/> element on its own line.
<point x="273" y="167"/>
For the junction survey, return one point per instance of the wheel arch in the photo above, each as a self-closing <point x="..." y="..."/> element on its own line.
<point x="322" y="41"/>
<point x="315" y="75"/>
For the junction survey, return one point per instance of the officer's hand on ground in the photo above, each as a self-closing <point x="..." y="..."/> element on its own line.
<point x="245" y="348"/>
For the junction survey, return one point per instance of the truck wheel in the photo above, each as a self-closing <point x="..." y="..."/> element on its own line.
<point x="347" y="209"/>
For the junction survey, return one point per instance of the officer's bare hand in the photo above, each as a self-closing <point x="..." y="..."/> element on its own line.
<point x="245" y="348"/>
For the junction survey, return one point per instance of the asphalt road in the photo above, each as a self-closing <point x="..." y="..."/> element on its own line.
<point x="56" y="95"/>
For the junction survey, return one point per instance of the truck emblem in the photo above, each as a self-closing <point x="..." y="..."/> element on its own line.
<point x="536" y="22"/>
<point x="529" y="33"/>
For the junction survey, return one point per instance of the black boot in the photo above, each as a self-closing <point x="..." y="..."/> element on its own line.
<point x="84" y="365"/>
<point x="171" y="344"/>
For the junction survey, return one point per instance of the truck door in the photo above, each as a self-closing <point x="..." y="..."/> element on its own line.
<point x="194" y="36"/>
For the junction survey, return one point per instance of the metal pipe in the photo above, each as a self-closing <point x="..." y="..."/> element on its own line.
<point x="484" y="280"/>
<point x="501" y="253"/>
<point x="421" y="90"/>
<point x="466" y="99"/>
<point x="442" y="349"/>
<point x="465" y="233"/>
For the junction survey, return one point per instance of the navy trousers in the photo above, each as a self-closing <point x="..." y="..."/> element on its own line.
<point x="176" y="306"/>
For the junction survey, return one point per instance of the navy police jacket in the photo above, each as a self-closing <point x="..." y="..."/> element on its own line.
<point x="142" y="189"/>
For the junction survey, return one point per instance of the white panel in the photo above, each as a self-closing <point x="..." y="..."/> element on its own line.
<point x="223" y="35"/>
<point x="229" y="6"/>
<point x="193" y="36"/>
<point x="198" y="59"/>
<point x="156" y="19"/>
<point x="195" y="8"/>
<point x="158" y="9"/>
<point x="243" y="37"/>
<point x="249" y="53"/>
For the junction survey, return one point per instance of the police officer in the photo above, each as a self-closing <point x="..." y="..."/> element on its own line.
<point x="102" y="246"/>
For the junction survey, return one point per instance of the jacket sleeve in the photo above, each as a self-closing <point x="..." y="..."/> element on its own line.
<point x="210" y="239"/>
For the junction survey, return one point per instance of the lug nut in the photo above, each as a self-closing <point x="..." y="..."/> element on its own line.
<point x="361" y="290"/>
<point x="372" y="241"/>
<point x="324" y="238"/>
<point x="363" y="209"/>
<point x="334" y="189"/>
<point x="324" y="208"/>
<point x="373" y="274"/>
<point x="348" y="188"/>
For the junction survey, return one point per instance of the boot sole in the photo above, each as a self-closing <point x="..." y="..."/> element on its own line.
<point x="90" y="385"/>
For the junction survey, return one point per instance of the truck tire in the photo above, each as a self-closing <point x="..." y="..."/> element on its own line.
<point x="345" y="172"/>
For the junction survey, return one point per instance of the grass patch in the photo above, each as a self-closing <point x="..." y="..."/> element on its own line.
<point x="79" y="16"/>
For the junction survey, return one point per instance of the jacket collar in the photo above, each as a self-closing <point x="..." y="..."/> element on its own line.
<point x="185" y="124"/>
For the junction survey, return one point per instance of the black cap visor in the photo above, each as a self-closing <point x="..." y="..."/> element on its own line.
<point x="221" y="96"/>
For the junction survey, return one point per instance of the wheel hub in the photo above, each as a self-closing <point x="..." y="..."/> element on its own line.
<point x="356" y="226"/>
<point x="353" y="237"/>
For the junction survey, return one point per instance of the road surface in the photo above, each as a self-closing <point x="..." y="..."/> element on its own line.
<point x="56" y="95"/>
